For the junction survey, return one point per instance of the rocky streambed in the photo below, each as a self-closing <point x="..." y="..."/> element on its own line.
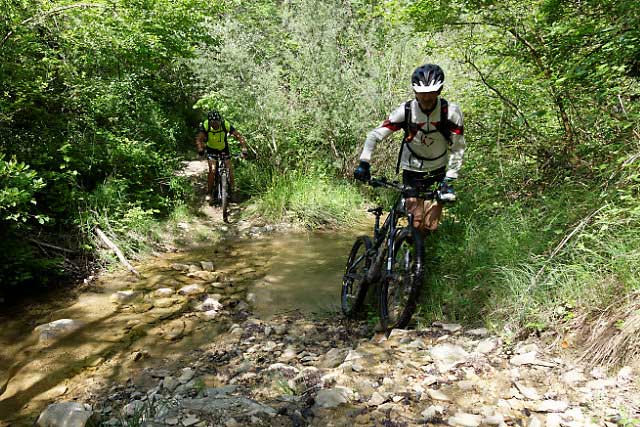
<point x="293" y="372"/>
<point x="191" y="343"/>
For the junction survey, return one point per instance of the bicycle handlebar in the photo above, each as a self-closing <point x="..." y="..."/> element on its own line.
<point x="223" y="156"/>
<point x="397" y="186"/>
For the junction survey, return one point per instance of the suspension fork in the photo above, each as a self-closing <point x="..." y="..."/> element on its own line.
<point x="375" y="271"/>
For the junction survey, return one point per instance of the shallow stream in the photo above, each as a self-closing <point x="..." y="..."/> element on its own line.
<point x="147" y="327"/>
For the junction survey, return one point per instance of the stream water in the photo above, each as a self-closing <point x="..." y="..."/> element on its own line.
<point x="155" y="323"/>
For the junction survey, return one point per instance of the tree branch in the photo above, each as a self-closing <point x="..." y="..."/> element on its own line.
<point x="117" y="251"/>
<point x="52" y="12"/>
<point x="497" y="92"/>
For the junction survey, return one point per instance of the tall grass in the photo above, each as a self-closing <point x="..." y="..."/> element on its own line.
<point x="534" y="270"/>
<point x="309" y="198"/>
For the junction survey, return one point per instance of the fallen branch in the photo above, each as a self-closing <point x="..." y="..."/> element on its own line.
<point x="50" y="246"/>
<point x="117" y="251"/>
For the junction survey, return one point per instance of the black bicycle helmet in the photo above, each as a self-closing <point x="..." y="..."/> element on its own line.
<point x="214" y="116"/>
<point x="427" y="78"/>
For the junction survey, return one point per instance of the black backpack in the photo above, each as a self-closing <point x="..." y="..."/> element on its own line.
<point x="410" y="129"/>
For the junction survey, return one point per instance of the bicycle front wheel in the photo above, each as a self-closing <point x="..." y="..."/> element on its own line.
<point x="224" y="197"/>
<point x="354" y="282"/>
<point x="400" y="289"/>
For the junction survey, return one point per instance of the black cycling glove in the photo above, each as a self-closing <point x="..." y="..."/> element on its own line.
<point x="363" y="171"/>
<point x="447" y="193"/>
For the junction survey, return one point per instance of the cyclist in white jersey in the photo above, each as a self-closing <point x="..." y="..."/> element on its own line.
<point x="433" y="147"/>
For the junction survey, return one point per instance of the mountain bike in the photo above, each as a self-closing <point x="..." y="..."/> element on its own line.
<point x="393" y="258"/>
<point x="221" y="190"/>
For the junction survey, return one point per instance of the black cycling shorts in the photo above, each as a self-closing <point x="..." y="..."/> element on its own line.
<point x="225" y="150"/>
<point x="422" y="181"/>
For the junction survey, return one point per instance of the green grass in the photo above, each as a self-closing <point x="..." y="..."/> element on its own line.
<point x="493" y="264"/>
<point x="308" y="198"/>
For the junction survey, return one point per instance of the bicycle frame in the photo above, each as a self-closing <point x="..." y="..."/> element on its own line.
<point x="383" y="235"/>
<point x="221" y="164"/>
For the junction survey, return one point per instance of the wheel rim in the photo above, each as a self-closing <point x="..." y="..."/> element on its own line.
<point x="354" y="278"/>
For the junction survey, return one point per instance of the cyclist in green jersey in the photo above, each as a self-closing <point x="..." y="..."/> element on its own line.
<point x="212" y="139"/>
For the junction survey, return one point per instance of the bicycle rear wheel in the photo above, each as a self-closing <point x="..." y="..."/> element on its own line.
<point x="224" y="197"/>
<point x="400" y="290"/>
<point x="354" y="282"/>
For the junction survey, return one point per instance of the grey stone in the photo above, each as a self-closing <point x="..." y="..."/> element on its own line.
<point x="190" y="420"/>
<point x="447" y="356"/>
<point x="438" y="395"/>
<point x="229" y="406"/>
<point x="52" y="331"/>
<point x="451" y="327"/>
<point x="432" y="412"/>
<point x="462" y="419"/>
<point x="333" y="397"/>
<point x="376" y="399"/>
<point x="65" y="414"/>
<point x="524" y="359"/>
<point x="487" y="345"/>
<point x="332" y="359"/>
<point x="479" y="332"/>
<point x="550" y="406"/>
<point x="133" y="408"/>
<point x="179" y="267"/>
<point x="528" y="392"/>
<point x="163" y="292"/>
<point x="207" y="265"/>
<point x="210" y="304"/>
<point x="572" y="377"/>
<point x="169" y="383"/>
<point x="191" y="290"/>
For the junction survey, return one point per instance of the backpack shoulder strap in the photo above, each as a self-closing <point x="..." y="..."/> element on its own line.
<point x="406" y="124"/>
<point x="444" y="126"/>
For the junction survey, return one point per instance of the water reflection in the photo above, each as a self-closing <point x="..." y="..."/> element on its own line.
<point x="305" y="274"/>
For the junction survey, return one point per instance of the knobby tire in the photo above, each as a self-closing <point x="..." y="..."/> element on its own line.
<point x="224" y="197"/>
<point x="354" y="282"/>
<point x="400" y="290"/>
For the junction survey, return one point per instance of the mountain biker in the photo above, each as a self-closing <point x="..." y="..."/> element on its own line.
<point x="433" y="146"/>
<point x="212" y="137"/>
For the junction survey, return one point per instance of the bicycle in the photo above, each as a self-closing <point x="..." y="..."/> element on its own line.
<point x="403" y="250"/>
<point x="221" y="190"/>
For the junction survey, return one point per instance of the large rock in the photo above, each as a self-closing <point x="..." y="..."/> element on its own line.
<point x="207" y="276"/>
<point x="462" y="419"/>
<point x="191" y="290"/>
<point x="124" y="297"/>
<point x="57" y="329"/>
<point x="65" y="414"/>
<point x="333" y="397"/>
<point x="230" y="406"/>
<point x="447" y="356"/>
<point x="332" y="359"/>
<point x="210" y="304"/>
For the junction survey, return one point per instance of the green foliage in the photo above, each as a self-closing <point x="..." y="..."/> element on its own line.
<point x="94" y="95"/>
<point x="309" y="198"/>
<point x="17" y="187"/>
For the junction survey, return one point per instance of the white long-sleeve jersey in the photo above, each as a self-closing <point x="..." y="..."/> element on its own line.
<point x="428" y="143"/>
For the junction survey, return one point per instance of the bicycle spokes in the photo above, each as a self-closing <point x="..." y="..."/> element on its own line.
<point x="354" y="283"/>
<point x="401" y="285"/>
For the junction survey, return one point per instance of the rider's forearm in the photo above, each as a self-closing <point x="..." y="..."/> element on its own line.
<point x="456" y="155"/>
<point x="241" y="140"/>
<point x="375" y="136"/>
